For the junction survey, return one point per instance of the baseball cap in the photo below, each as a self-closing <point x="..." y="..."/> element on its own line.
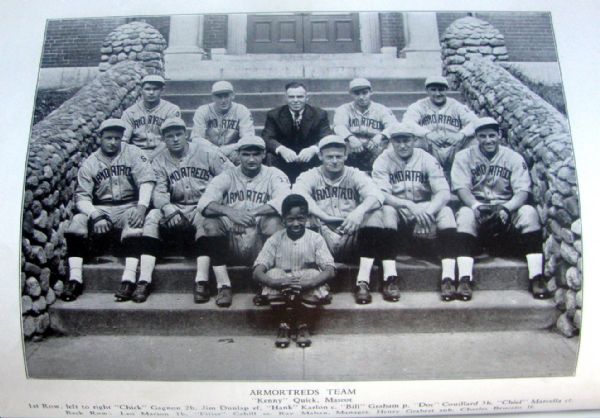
<point x="436" y="80"/>
<point x="153" y="78"/>
<point x="222" y="87"/>
<point x="113" y="123"/>
<point x="359" y="83"/>
<point x="331" y="140"/>
<point x="403" y="129"/>
<point x="171" y="123"/>
<point x="485" y="122"/>
<point x="251" y="141"/>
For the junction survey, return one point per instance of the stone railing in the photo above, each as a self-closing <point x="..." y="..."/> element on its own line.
<point x="58" y="144"/>
<point x="541" y="134"/>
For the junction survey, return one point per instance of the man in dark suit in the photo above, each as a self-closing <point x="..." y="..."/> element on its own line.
<point x="292" y="132"/>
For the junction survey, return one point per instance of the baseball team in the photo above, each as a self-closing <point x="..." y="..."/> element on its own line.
<point x="304" y="196"/>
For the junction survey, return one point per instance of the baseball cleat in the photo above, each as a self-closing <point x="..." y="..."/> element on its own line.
<point x="302" y="338"/>
<point x="72" y="290"/>
<point x="141" y="292"/>
<point x="391" y="289"/>
<point x="224" y="297"/>
<point x="362" y="294"/>
<point x="125" y="291"/>
<point x="201" y="292"/>
<point x="447" y="289"/>
<point x="463" y="290"/>
<point x="260" y="300"/>
<point x="283" y="336"/>
<point x="539" y="287"/>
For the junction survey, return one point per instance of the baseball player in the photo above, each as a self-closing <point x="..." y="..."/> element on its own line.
<point x="493" y="183"/>
<point x="242" y="207"/>
<point x="344" y="202"/>
<point x="416" y="193"/>
<point x="147" y="115"/>
<point x="223" y="122"/>
<point x="114" y="187"/>
<point x="183" y="170"/>
<point x="363" y="124"/>
<point x="447" y="122"/>
<point x="293" y="267"/>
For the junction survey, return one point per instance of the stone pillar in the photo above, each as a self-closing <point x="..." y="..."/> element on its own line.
<point x="237" y="28"/>
<point x="422" y="41"/>
<point x="185" y="43"/>
<point x="370" y="35"/>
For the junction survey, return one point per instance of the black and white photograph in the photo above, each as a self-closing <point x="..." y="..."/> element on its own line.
<point x="332" y="195"/>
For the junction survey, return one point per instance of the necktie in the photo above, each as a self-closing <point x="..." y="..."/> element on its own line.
<point x="297" y="119"/>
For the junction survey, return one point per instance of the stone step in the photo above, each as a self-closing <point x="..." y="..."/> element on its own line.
<point x="416" y="312"/>
<point x="176" y="275"/>
<point x="260" y="115"/>
<point x="313" y="85"/>
<point x="191" y="101"/>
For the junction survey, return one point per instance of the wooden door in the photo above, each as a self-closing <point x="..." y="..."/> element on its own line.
<point x="335" y="33"/>
<point x="275" y="34"/>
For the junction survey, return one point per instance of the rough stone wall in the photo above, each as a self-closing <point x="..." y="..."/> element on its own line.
<point x="135" y="41"/>
<point x="541" y="134"/>
<point x="469" y="38"/>
<point x="58" y="145"/>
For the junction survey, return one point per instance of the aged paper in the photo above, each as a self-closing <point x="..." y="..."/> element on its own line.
<point x="576" y="30"/>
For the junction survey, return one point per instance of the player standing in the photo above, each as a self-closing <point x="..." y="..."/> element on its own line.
<point x="344" y="202"/>
<point x="242" y="207"/>
<point x="363" y="124"/>
<point x="293" y="267"/>
<point x="114" y="187"/>
<point x="493" y="183"/>
<point x="147" y="115"/>
<point x="223" y="122"/>
<point x="183" y="171"/>
<point x="416" y="193"/>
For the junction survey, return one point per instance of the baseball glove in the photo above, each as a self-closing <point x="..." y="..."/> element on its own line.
<point x="494" y="221"/>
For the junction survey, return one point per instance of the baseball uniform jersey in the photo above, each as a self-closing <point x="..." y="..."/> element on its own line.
<point x="490" y="181"/>
<point x="349" y="120"/>
<point x="234" y="189"/>
<point x="336" y="197"/>
<point x="183" y="181"/>
<point x="147" y="123"/>
<point x="222" y="129"/>
<point x="416" y="179"/>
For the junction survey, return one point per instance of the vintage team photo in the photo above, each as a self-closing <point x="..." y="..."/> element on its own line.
<point x="301" y="197"/>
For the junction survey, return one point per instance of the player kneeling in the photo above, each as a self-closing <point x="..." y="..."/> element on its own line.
<point x="114" y="187"/>
<point x="293" y="267"/>
<point x="493" y="183"/>
<point x="416" y="193"/>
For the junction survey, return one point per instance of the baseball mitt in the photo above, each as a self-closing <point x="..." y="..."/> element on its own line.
<point x="494" y="220"/>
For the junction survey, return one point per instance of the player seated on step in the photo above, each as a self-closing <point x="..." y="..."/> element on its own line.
<point x="345" y="206"/>
<point x="114" y="187"/>
<point x="293" y="267"/>
<point x="493" y="183"/>
<point x="415" y="212"/>
<point x="241" y="207"/>
<point x="183" y="170"/>
<point x="363" y="124"/>
<point x="446" y="122"/>
<point x="146" y="116"/>
<point x="223" y="122"/>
